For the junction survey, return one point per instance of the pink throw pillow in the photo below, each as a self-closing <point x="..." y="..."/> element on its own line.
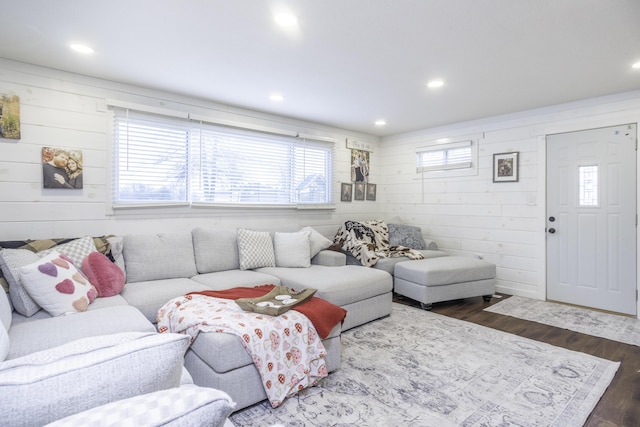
<point x="103" y="274"/>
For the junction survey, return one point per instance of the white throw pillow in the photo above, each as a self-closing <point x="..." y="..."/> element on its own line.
<point x="255" y="249"/>
<point x="11" y="260"/>
<point x="76" y="250"/>
<point x="292" y="249"/>
<point x="180" y="406"/>
<point x="57" y="285"/>
<point x="317" y="240"/>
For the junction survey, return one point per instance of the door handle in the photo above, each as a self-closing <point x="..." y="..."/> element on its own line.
<point x="552" y="230"/>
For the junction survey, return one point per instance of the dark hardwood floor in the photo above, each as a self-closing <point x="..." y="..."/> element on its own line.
<point x="620" y="404"/>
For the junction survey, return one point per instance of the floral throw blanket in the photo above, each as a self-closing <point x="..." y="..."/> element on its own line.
<point x="286" y="349"/>
<point x="368" y="241"/>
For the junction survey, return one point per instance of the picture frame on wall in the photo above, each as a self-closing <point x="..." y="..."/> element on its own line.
<point x="359" y="191"/>
<point x="345" y="192"/>
<point x="62" y="168"/>
<point x="371" y="192"/>
<point x="506" y="167"/>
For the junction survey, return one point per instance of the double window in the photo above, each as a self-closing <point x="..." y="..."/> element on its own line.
<point x="158" y="159"/>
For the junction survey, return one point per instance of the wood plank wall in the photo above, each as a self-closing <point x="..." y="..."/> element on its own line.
<point x="471" y="216"/>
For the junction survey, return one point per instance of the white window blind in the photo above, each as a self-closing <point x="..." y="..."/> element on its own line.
<point x="150" y="158"/>
<point x="456" y="155"/>
<point x="216" y="164"/>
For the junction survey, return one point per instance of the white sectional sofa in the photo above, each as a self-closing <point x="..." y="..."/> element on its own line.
<point x="159" y="267"/>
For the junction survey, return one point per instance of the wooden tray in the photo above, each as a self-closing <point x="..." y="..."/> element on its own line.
<point x="280" y="300"/>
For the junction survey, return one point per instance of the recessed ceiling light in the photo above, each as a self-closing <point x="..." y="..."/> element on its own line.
<point x="81" y="48"/>
<point x="380" y="122"/>
<point x="636" y="65"/>
<point x="286" y="19"/>
<point x="276" y="97"/>
<point x="435" y="83"/>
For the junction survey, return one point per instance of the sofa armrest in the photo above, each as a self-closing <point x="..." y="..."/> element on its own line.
<point x="187" y="405"/>
<point x="48" y="385"/>
<point x="329" y="258"/>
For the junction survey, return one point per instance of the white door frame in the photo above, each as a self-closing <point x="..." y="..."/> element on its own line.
<point x="541" y="213"/>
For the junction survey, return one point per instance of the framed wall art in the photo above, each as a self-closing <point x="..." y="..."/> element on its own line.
<point x="61" y="168"/>
<point x="359" y="190"/>
<point x="9" y="116"/>
<point x="345" y="192"/>
<point x="505" y="167"/>
<point x="371" y="192"/>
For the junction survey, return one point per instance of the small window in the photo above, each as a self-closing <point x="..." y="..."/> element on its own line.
<point x="456" y="155"/>
<point x="588" y="178"/>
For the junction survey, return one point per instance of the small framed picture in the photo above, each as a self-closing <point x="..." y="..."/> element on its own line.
<point x="345" y="192"/>
<point x="359" y="191"/>
<point x="505" y="167"/>
<point x="371" y="192"/>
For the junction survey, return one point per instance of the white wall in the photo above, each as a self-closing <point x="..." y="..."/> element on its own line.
<point x="502" y="222"/>
<point x="61" y="109"/>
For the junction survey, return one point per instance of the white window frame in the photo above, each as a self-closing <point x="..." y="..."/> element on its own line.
<point x="449" y="166"/>
<point x="296" y="164"/>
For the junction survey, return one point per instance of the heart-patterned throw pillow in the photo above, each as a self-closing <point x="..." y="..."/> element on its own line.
<point x="57" y="285"/>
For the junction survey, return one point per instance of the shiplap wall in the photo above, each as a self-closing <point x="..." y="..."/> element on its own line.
<point x="62" y="109"/>
<point x="503" y="223"/>
<point x="470" y="215"/>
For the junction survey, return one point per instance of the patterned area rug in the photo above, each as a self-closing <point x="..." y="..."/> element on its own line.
<point x="417" y="368"/>
<point x="591" y="322"/>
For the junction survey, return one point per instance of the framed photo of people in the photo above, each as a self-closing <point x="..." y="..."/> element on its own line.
<point x="61" y="168"/>
<point x="358" y="191"/>
<point x="505" y="167"/>
<point x="346" y="192"/>
<point x="371" y="192"/>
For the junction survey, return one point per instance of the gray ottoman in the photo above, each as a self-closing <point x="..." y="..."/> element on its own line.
<point x="443" y="279"/>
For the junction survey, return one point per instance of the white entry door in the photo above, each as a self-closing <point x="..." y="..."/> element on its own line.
<point x="591" y="218"/>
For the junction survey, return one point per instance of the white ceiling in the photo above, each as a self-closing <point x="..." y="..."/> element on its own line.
<point x="349" y="62"/>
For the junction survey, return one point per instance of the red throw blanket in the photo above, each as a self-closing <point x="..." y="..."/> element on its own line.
<point x="321" y="313"/>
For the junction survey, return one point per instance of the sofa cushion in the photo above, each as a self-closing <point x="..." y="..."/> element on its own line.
<point x="183" y="406"/>
<point x="255" y="249"/>
<point x="317" y="241"/>
<point x="215" y="249"/>
<point x="338" y="285"/>
<point x="159" y="256"/>
<point x="106" y="276"/>
<point x="41" y="334"/>
<point x="57" y="285"/>
<point x="233" y="278"/>
<point x="45" y="386"/>
<point x="292" y="249"/>
<point x="150" y="296"/>
<point x="10" y="261"/>
<point x="76" y="250"/>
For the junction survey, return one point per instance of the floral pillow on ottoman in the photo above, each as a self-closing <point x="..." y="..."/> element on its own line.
<point x="57" y="285"/>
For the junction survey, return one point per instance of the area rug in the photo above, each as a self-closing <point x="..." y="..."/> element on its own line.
<point x="591" y="322"/>
<point x="417" y="368"/>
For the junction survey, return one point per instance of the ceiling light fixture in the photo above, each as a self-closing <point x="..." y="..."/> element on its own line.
<point x="380" y="122"/>
<point x="286" y="19"/>
<point x="435" y="83"/>
<point x="276" y="97"/>
<point x="636" y="65"/>
<point x="81" y="48"/>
